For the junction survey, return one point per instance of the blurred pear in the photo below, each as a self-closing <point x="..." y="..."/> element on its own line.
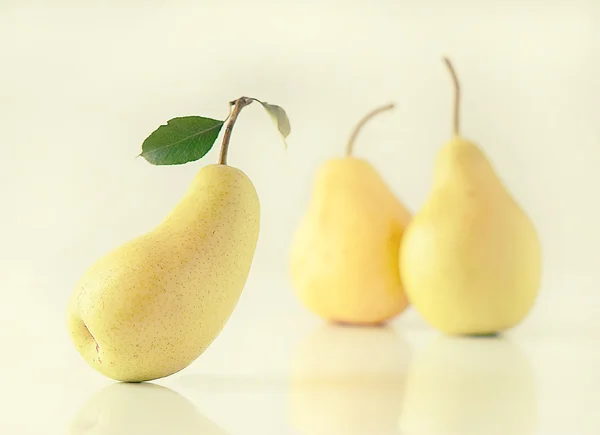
<point x="348" y="380"/>
<point x="471" y="258"/>
<point x="344" y="252"/>
<point x="148" y="409"/>
<point x="469" y="386"/>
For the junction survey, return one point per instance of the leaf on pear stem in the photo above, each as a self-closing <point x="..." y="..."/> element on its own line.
<point x="181" y="140"/>
<point x="280" y="119"/>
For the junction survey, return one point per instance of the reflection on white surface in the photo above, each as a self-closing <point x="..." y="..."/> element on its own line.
<point x="469" y="386"/>
<point x="149" y="409"/>
<point x="348" y="380"/>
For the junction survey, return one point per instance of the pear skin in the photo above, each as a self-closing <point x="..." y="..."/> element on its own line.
<point x="344" y="256"/>
<point x="470" y="258"/>
<point x="150" y="307"/>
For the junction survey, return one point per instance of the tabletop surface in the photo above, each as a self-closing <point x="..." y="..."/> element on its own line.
<point x="321" y="379"/>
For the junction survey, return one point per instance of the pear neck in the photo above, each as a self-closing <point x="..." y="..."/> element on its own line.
<point x="209" y="183"/>
<point x="461" y="162"/>
<point x="341" y="174"/>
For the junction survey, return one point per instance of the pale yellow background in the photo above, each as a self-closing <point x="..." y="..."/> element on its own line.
<point x="83" y="83"/>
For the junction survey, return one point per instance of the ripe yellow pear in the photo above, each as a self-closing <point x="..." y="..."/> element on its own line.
<point x="344" y="255"/>
<point x="470" y="258"/>
<point x="150" y="307"/>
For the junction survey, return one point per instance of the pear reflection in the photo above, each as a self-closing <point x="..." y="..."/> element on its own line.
<point x="468" y="386"/>
<point x="348" y="380"/>
<point x="147" y="409"/>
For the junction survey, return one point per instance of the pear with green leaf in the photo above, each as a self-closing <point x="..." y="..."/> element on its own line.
<point x="470" y="259"/>
<point x="150" y="307"/>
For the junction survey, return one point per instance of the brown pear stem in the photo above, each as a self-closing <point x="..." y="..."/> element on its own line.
<point x="361" y="123"/>
<point x="456" y="114"/>
<point x="238" y="105"/>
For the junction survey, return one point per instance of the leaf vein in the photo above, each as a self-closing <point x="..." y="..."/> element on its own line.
<point x="220" y="124"/>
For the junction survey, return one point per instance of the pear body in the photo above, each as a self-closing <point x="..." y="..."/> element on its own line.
<point x="150" y="307"/>
<point x="344" y="255"/>
<point x="471" y="257"/>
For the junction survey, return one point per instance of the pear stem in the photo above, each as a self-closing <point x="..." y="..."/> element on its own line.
<point x="360" y="125"/>
<point x="238" y="105"/>
<point x="456" y="114"/>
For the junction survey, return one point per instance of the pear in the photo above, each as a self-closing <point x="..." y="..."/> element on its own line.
<point x="150" y="307"/>
<point x="344" y="253"/>
<point x="470" y="258"/>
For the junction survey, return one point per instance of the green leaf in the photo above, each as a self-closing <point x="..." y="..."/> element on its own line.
<point x="280" y="119"/>
<point x="181" y="140"/>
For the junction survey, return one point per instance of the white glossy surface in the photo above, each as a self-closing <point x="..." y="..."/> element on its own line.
<point x="83" y="83"/>
<point x="328" y="380"/>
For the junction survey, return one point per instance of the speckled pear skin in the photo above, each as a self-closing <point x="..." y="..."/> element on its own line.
<point x="150" y="307"/>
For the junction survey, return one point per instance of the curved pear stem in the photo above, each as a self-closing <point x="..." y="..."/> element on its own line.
<point x="360" y="125"/>
<point x="456" y="114"/>
<point x="238" y="105"/>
